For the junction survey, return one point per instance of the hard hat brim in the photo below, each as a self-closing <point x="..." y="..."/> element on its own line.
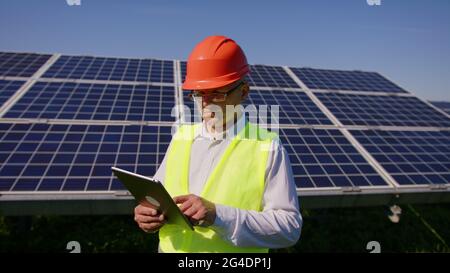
<point x="203" y="85"/>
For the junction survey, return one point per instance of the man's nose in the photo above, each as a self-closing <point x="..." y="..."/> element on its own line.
<point x="206" y="101"/>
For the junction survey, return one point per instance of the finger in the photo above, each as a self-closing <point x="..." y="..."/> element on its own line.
<point x="181" y="198"/>
<point x="186" y="205"/>
<point x="151" y="227"/>
<point x="147" y="211"/>
<point x="199" y="215"/>
<point x="148" y="219"/>
<point x="191" y="211"/>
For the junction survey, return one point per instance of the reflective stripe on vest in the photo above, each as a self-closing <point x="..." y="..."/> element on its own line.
<point x="238" y="181"/>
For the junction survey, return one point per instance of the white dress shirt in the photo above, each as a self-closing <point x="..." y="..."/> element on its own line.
<point x="280" y="222"/>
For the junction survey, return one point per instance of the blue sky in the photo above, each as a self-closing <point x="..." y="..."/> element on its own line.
<point x="407" y="41"/>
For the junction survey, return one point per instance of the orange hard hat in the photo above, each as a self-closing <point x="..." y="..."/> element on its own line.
<point x="215" y="62"/>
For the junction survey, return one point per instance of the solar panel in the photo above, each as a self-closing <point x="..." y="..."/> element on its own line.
<point x="444" y="105"/>
<point x="262" y="76"/>
<point x="411" y="157"/>
<point x="113" y="69"/>
<point x="270" y="76"/>
<point x="21" y="64"/>
<point x="8" y="88"/>
<point x="345" y="80"/>
<point x="43" y="157"/>
<point x="68" y="100"/>
<point x="325" y="158"/>
<point x="294" y="107"/>
<point x="382" y="110"/>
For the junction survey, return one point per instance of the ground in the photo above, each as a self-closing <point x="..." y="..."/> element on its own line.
<point x="422" y="228"/>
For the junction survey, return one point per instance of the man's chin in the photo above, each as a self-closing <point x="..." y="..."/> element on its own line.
<point x="210" y="120"/>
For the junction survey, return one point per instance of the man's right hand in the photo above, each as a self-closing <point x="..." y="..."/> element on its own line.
<point x="148" y="219"/>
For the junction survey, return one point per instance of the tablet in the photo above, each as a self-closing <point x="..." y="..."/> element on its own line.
<point x="151" y="193"/>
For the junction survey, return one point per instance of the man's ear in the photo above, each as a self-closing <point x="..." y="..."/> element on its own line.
<point x="245" y="91"/>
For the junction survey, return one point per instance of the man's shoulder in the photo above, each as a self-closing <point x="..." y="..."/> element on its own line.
<point x="260" y="133"/>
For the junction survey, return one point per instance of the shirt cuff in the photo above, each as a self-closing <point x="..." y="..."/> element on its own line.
<point x="225" y="219"/>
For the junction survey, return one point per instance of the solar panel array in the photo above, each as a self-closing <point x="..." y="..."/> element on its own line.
<point x="341" y="129"/>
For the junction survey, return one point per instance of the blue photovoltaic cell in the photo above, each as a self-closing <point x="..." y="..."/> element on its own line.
<point x="325" y="158"/>
<point x="57" y="100"/>
<point x="382" y="110"/>
<point x="21" y="64"/>
<point x="345" y="80"/>
<point x="8" y="88"/>
<point x="262" y="76"/>
<point x="410" y="157"/>
<point x="42" y="157"/>
<point x="113" y="69"/>
<point x="444" y="105"/>
<point x="183" y="67"/>
<point x="294" y="107"/>
<point x="270" y="76"/>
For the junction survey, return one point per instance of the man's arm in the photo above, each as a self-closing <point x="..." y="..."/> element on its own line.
<point x="149" y="219"/>
<point x="280" y="222"/>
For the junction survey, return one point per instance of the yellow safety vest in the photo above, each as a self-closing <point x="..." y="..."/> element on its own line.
<point x="238" y="181"/>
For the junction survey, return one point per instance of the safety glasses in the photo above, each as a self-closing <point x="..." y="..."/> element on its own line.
<point x="213" y="96"/>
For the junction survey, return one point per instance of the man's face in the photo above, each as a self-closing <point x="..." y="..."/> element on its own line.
<point x="210" y="107"/>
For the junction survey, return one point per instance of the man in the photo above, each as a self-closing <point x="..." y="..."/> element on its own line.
<point x="232" y="179"/>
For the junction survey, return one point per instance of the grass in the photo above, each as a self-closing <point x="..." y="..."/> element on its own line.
<point x="422" y="228"/>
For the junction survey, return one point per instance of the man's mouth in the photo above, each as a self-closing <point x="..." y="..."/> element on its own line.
<point x="206" y="113"/>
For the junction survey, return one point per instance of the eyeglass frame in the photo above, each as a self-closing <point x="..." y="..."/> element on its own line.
<point x="193" y="96"/>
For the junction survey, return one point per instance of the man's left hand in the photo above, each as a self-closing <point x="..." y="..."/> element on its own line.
<point x="200" y="211"/>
